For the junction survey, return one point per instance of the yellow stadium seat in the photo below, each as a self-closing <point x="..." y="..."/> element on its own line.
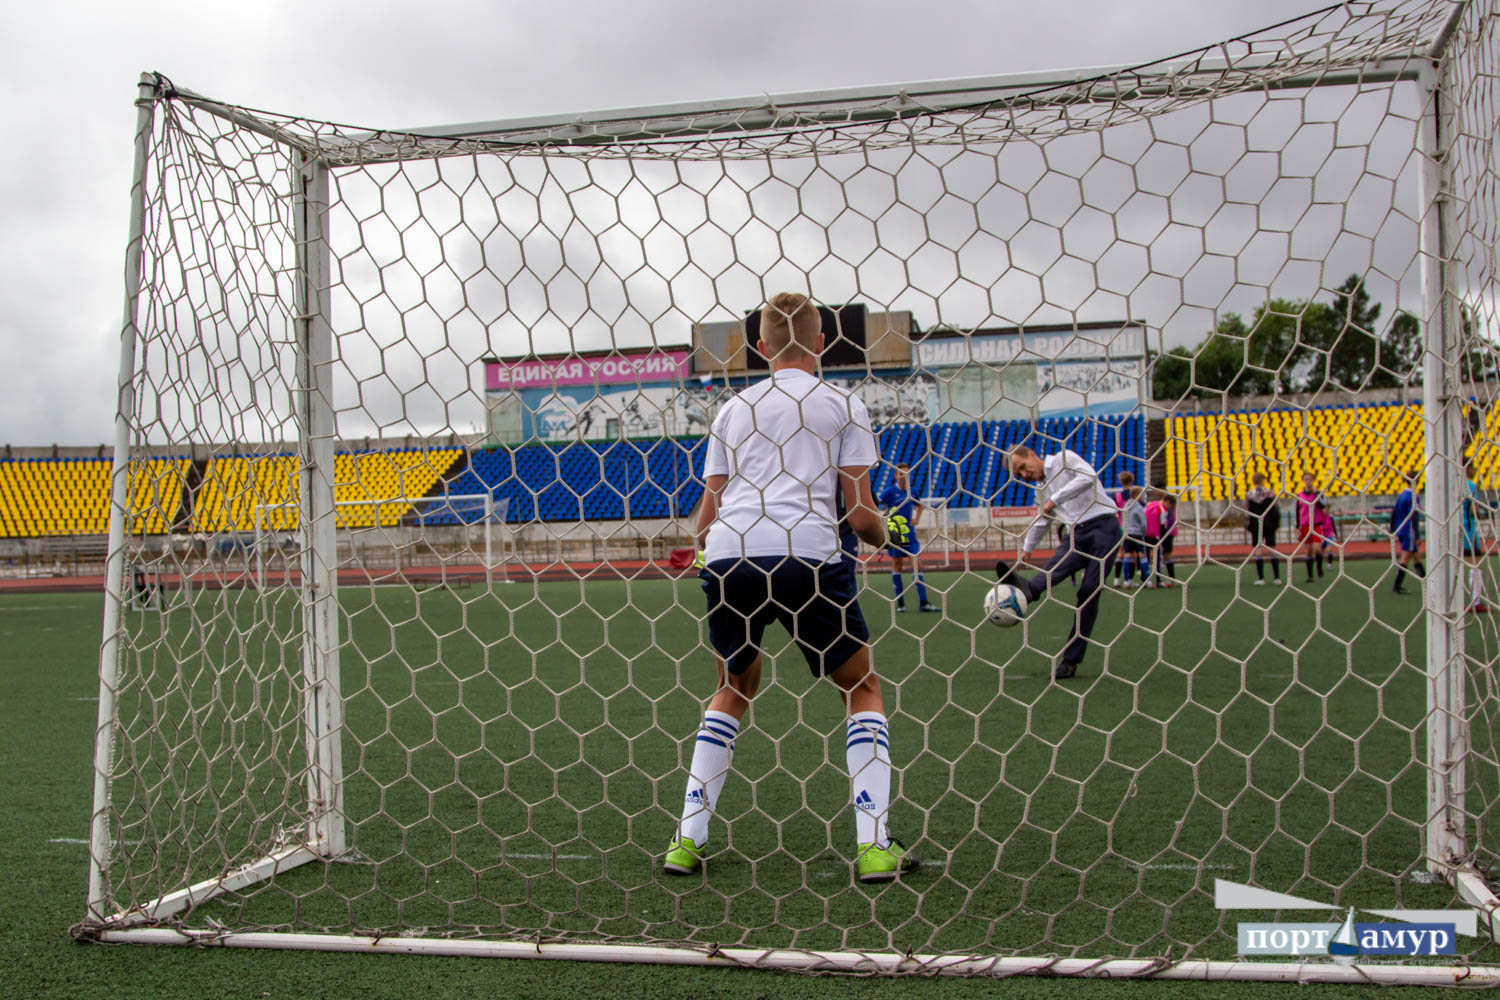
<point x="1351" y="450"/>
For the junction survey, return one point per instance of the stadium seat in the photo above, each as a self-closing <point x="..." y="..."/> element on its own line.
<point x="238" y="491"/>
<point x="1351" y="450"/>
<point x="71" y="496"/>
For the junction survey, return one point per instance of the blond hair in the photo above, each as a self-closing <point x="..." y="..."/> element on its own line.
<point x="1019" y="451"/>
<point x="789" y="326"/>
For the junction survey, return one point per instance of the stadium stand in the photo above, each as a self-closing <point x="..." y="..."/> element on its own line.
<point x="634" y="478"/>
<point x="593" y="481"/>
<point x="961" y="462"/>
<point x="235" y="488"/>
<point x="70" y="496"/>
<point x="1350" y="449"/>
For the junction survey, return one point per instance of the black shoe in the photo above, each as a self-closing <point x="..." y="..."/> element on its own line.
<point x="1064" y="670"/>
<point x="928" y="606"/>
<point x="1004" y="571"/>
<point x="1399" y="590"/>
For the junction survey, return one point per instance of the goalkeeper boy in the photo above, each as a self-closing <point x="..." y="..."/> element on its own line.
<point x="780" y="455"/>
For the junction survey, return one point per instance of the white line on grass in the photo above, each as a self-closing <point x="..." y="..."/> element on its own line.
<point x="43" y="607"/>
<point x="81" y="841"/>
<point x="549" y="857"/>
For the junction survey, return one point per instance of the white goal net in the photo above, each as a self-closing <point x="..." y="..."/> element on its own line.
<point x="335" y="730"/>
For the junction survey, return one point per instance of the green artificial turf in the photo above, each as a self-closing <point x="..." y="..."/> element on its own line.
<point x="515" y="760"/>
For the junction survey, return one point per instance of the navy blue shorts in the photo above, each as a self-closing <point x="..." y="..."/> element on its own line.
<point x="1408" y="540"/>
<point x="901" y="550"/>
<point x="816" y="602"/>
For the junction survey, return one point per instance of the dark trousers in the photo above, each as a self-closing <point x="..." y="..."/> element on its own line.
<point x="1092" y="547"/>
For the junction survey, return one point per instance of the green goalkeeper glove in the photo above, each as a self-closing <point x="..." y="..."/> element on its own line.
<point x="698" y="561"/>
<point x="897" y="530"/>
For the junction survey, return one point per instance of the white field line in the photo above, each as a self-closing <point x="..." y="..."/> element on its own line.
<point x="42" y="607"/>
<point x="549" y="857"/>
<point x="83" y="842"/>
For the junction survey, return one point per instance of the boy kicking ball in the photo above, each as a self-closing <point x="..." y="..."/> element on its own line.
<point x="1076" y="499"/>
<point x="781" y="454"/>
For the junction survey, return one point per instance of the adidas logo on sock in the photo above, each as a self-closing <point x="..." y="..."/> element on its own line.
<point x="698" y="797"/>
<point x="863" y="801"/>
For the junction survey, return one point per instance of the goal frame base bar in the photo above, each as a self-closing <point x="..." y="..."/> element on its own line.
<point x="888" y="963"/>
<point x="162" y="907"/>
<point x="121" y="928"/>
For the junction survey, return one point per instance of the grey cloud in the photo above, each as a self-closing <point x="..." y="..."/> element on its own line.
<point x="393" y="64"/>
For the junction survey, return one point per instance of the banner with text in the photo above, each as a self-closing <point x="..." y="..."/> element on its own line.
<point x="999" y="349"/>
<point x="606" y="369"/>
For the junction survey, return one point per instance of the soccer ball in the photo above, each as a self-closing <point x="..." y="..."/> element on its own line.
<point x="1005" y="605"/>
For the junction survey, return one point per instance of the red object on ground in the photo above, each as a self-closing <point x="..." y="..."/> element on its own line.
<point x="681" y="558"/>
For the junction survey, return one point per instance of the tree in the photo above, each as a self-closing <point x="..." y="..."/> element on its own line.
<point x="1171" y="373"/>
<point x="1239" y="359"/>
<point x="1343" y="346"/>
<point x="1279" y="344"/>
<point x="1400" y="359"/>
<point x="1219" y="365"/>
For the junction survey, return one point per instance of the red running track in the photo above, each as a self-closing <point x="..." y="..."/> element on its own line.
<point x="634" y="569"/>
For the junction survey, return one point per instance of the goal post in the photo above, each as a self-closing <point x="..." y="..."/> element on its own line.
<point x="319" y="590"/>
<point x="318" y="754"/>
<point x="443" y="512"/>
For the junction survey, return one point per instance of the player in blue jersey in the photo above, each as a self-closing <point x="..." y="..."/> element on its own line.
<point x="1406" y="528"/>
<point x="1474" y="547"/>
<point x="898" y="502"/>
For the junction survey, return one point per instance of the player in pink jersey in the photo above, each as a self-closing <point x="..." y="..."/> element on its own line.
<point x="1315" y="527"/>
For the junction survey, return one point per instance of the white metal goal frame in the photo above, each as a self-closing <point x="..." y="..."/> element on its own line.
<point x="492" y="512"/>
<point x="308" y="282"/>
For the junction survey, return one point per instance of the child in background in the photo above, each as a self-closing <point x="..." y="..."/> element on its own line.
<point x="1314" y="524"/>
<point x="1135" y="548"/>
<point x="1473" y="546"/>
<point x="1122" y="500"/>
<point x="1262" y="519"/>
<point x="1406" y="529"/>
<point x="1161" y="537"/>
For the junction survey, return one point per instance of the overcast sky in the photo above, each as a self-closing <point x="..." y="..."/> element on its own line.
<point x="72" y="69"/>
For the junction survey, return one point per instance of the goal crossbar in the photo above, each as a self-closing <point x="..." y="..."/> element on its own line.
<point x="1090" y="84"/>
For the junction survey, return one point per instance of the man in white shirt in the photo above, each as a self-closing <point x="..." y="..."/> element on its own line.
<point x="1077" y="499"/>
<point x="784" y="456"/>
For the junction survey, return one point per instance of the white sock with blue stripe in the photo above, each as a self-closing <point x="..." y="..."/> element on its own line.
<point x="712" y="752"/>
<point x="869" y="756"/>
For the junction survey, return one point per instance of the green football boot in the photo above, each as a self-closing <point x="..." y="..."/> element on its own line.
<point x="882" y="864"/>
<point x="683" y="856"/>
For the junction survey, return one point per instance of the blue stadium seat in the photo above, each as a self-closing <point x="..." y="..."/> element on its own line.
<point x="663" y="477"/>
